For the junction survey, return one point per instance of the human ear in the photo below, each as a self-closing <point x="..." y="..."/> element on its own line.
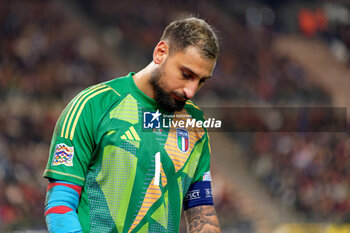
<point x="160" y="52"/>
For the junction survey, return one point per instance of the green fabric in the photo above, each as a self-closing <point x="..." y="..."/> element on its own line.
<point x="161" y="214"/>
<point x="144" y="229"/>
<point x="117" y="181"/>
<point x="126" y="110"/>
<point x="99" y="143"/>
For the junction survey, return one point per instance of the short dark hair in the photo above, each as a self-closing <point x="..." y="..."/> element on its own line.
<point x="192" y="32"/>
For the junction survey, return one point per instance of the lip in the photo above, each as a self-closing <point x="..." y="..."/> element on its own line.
<point x="177" y="97"/>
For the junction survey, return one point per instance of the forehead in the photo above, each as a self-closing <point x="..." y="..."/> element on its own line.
<point x="192" y="59"/>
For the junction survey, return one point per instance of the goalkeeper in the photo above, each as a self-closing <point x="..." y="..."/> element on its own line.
<point x="108" y="172"/>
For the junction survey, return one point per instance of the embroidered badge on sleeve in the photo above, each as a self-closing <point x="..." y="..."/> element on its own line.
<point x="207" y="176"/>
<point x="63" y="155"/>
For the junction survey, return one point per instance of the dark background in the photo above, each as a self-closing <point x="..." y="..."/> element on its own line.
<point x="273" y="54"/>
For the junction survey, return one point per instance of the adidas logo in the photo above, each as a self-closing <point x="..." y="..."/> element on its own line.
<point x="131" y="134"/>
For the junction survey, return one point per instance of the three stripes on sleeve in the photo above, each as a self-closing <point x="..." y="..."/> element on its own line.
<point x="77" y="106"/>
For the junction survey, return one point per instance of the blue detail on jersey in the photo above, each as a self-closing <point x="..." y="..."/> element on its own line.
<point x="62" y="196"/>
<point x="198" y="194"/>
<point x="68" y="222"/>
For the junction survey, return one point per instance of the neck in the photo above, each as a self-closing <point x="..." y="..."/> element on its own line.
<point x="142" y="80"/>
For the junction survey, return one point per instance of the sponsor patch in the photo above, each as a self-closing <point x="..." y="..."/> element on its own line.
<point x="207" y="176"/>
<point x="63" y="155"/>
<point x="192" y="195"/>
<point x="199" y="193"/>
<point x="208" y="193"/>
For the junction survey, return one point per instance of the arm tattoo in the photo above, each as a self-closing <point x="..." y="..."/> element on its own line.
<point x="202" y="219"/>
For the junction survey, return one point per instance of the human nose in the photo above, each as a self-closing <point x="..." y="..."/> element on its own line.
<point x="190" y="89"/>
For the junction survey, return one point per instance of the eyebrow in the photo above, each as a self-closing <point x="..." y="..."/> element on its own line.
<point x="194" y="73"/>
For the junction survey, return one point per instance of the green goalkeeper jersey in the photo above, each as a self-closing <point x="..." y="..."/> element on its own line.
<point x="134" y="179"/>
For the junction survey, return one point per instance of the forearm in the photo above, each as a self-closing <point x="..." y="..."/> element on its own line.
<point x="60" y="208"/>
<point x="202" y="219"/>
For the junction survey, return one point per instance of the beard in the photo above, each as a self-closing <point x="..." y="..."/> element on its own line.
<point x="163" y="98"/>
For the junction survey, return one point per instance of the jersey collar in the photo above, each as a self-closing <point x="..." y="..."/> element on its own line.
<point x="145" y="100"/>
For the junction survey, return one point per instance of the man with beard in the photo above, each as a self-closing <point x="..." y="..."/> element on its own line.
<point x="113" y="167"/>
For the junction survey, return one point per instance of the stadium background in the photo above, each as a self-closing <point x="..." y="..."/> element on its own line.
<point x="273" y="53"/>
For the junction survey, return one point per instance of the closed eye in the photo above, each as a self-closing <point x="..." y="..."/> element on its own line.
<point x="186" y="75"/>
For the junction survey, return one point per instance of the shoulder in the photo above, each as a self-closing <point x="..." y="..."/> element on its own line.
<point x="91" y="103"/>
<point x="120" y="84"/>
<point x="193" y="110"/>
<point x="85" y="108"/>
<point x="106" y="93"/>
<point x="98" y="96"/>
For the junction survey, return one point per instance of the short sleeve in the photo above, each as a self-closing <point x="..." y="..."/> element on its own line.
<point x="72" y="142"/>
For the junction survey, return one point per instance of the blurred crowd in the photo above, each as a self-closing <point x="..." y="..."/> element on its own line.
<point x="46" y="58"/>
<point x="306" y="171"/>
<point x="43" y="63"/>
<point x="331" y="21"/>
